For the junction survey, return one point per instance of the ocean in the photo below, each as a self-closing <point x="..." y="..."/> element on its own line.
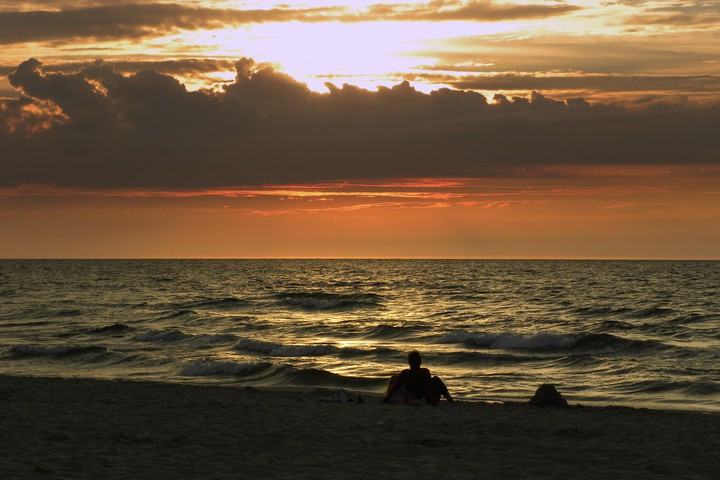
<point x="633" y="333"/>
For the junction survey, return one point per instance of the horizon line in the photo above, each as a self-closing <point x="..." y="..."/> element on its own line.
<point x="612" y="259"/>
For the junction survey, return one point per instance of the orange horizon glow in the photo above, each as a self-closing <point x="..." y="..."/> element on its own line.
<point x="401" y="218"/>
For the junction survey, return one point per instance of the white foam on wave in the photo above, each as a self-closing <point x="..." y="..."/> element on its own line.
<point x="204" y="368"/>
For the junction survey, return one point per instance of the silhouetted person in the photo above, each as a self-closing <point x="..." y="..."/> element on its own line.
<point x="415" y="384"/>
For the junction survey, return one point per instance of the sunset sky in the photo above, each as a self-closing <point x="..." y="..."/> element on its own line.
<point x="513" y="129"/>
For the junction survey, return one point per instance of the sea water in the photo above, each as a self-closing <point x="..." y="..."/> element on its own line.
<point x="635" y="333"/>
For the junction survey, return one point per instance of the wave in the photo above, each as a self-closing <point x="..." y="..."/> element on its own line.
<point x="175" y="335"/>
<point x="67" y="313"/>
<point x="178" y="314"/>
<point x="605" y="341"/>
<point x="211" y="368"/>
<point x="703" y="388"/>
<point x="172" y="335"/>
<point x="329" y="301"/>
<point x="315" y="377"/>
<point x="115" y="328"/>
<point x="39" y="323"/>
<point x="694" y="387"/>
<point x="33" y="316"/>
<point x="278" y="350"/>
<point x="510" y="341"/>
<point x="227" y="303"/>
<point x="594" y="311"/>
<point x="486" y="358"/>
<point x="272" y="349"/>
<point x="692" y="318"/>
<point x="157" y="279"/>
<point x="388" y="332"/>
<point x="381" y="352"/>
<point x="547" y="341"/>
<point x="214" y="338"/>
<point x="651" y="312"/>
<point x="618" y="325"/>
<point x="55" y="350"/>
<point x="268" y="374"/>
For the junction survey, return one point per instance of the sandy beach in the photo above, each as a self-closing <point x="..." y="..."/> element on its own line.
<point x="77" y="428"/>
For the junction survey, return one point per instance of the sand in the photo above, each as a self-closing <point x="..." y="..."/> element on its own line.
<point x="77" y="428"/>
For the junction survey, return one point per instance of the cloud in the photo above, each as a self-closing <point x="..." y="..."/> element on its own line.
<point x="100" y="128"/>
<point x="26" y="117"/>
<point x="181" y="66"/>
<point x="201" y="70"/>
<point x="604" y="83"/>
<point x="482" y="11"/>
<point x="676" y="19"/>
<point x="129" y="21"/>
<point x="681" y="14"/>
<point x="671" y="53"/>
<point x="57" y="5"/>
<point x="99" y="21"/>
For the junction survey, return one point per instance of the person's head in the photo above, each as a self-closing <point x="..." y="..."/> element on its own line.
<point x="414" y="359"/>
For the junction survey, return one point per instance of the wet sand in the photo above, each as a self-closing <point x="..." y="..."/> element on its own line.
<point x="77" y="428"/>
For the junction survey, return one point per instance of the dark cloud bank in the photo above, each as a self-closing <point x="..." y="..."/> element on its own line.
<point x="99" y="128"/>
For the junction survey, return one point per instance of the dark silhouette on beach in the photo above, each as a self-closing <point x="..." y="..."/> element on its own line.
<point x="415" y="385"/>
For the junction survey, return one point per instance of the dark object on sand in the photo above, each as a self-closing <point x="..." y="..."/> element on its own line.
<point x="547" y="396"/>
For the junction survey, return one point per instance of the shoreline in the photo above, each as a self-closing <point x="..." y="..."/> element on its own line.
<point x="86" y="428"/>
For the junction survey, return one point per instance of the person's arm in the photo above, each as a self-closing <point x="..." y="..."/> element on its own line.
<point x="430" y="394"/>
<point x="396" y="385"/>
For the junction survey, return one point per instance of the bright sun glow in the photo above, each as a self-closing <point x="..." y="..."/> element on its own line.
<point x="364" y="54"/>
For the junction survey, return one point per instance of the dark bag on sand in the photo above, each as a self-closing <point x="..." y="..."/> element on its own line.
<point x="547" y="396"/>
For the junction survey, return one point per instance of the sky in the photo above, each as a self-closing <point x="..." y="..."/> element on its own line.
<point x="360" y="129"/>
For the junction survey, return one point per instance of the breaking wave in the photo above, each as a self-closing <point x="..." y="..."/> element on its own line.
<point x="268" y="374"/>
<point x="206" y="368"/>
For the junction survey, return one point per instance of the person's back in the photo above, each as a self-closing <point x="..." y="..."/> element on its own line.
<point x="418" y="382"/>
